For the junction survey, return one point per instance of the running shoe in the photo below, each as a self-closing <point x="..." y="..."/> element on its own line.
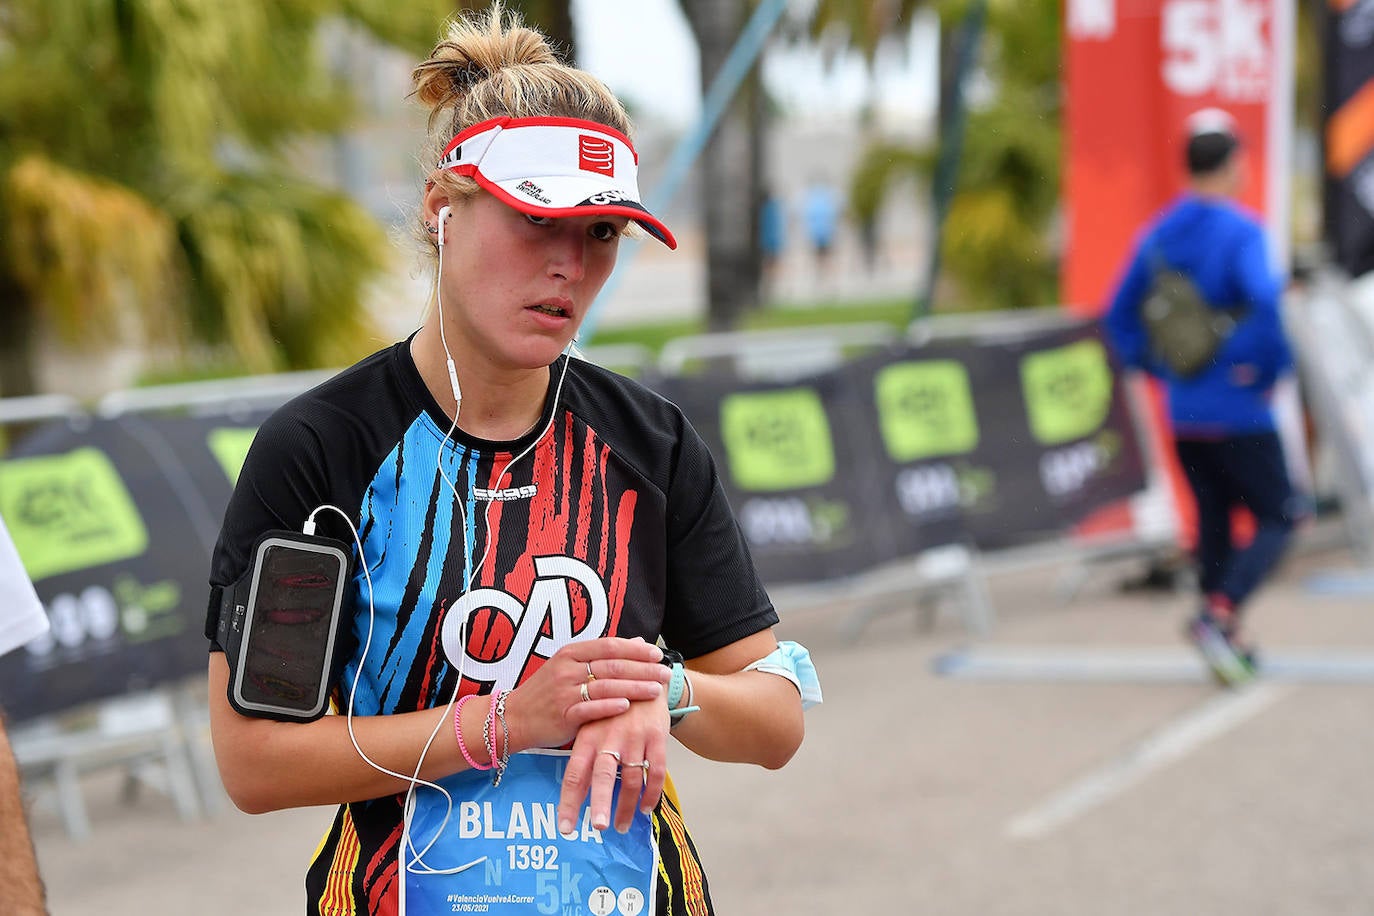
<point x="1227" y="665"/>
<point x="1228" y="625"/>
<point x="1246" y="653"/>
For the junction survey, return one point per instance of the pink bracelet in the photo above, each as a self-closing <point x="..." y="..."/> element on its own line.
<point x="458" y="730"/>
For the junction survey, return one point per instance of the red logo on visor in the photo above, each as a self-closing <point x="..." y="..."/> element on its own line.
<point x="595" y="155"/>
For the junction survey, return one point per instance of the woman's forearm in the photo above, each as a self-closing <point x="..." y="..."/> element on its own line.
<point x="745" y="717"/>
<point x="268" y="765"/>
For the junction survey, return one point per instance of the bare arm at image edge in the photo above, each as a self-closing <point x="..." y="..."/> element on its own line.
<point x="21" y="619"/>
<point x="21" y="890"/>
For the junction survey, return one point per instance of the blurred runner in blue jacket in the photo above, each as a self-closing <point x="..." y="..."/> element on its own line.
<point x="1222" y="417"/>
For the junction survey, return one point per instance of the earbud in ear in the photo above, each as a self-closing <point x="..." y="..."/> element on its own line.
<point x="443" y="219"/>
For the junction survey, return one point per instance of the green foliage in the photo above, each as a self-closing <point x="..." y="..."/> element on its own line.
<point x="87" y="241"/>
<point x="1024" y="40"/>
<point x="124" y="88"/>
<point x="416" y="24"/>
<point x="145" y="184"/>
<point x="997" y="235"/>
<point x="260" y="281"/>
<point x="864" y="24"/>
<point x="882" y="165"/>
<point x="1308" y="65"/>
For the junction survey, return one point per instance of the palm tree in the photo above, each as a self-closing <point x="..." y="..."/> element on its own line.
<point x="729" y="188"/>
<point x="997" y="239"/>
<point x="552" y="17"/>
<point x="731" y="165"/>
<point x="153" y="183"/>
<point x="864" y="24"/>
<point x="145" y="187"/>
<point x="864" y="27"/>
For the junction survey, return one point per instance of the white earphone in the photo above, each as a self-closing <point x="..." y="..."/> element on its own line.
<point x="438" y="283"/>
<point x="443" y="218"/>
<point x="453" y="383"/>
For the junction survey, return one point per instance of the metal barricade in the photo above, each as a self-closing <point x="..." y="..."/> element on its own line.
<point x="774" y="354"/>
<point x="231" y="396"/>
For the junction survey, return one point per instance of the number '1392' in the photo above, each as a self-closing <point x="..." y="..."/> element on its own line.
<point x="532" y="858"/>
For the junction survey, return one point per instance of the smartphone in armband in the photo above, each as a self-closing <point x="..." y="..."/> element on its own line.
<point x="279" y="626"/>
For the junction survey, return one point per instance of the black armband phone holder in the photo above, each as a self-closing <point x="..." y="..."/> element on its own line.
<point x="279" y="626"/>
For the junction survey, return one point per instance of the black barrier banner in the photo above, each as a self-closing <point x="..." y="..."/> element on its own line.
<point x="912" y="448"/>
<point x="1349" y="135"/>
<point x="209" y="453"/>
<point x="997" y="444"/>
<point x="115" y="523"/>
<point x="1066" y="442"/>
<point x="114" y="560"/>
<point x="926" y="436"/>
<point x="1081" y="424"/>
<point x="788" y="459"/>
<point x="829" y="475"/>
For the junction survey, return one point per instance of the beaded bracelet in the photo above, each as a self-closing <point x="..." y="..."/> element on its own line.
<point x="489" y="731"/>
<point x="458" y="731"/>
<point x="500" y="709"/>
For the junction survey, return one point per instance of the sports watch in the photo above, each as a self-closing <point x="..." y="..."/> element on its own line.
<point x="678" y="686"/>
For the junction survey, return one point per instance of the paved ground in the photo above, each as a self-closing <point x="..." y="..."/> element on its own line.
<point x="1130" y="798"/>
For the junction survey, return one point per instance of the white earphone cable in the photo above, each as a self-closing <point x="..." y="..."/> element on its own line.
<point x="416" y="857"/>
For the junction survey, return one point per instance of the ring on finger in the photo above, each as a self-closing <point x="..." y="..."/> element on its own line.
<point x="585" y="695"/>
<point x="590" y="676"/>
<point x="615" y="754"/>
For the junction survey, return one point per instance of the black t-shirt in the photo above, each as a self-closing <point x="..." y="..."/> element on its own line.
<point x="614" y="524"/>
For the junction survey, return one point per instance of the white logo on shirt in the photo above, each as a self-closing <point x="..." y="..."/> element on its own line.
<point x="521" y="624"/>
<point x="484" y="495"/>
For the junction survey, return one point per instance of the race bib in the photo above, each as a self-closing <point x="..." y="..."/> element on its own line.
<point x="500" y="851"/>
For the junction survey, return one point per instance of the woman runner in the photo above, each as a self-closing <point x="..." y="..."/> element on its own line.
<point x="526" y="529"/>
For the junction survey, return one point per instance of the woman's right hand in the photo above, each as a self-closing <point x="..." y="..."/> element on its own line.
<point x="549" y="708"/>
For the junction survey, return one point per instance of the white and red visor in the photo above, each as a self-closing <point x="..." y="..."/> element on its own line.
<point x="554" y="167"/>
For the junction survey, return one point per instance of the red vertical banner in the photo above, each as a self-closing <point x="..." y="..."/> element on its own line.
<point x="1135" y="70"/>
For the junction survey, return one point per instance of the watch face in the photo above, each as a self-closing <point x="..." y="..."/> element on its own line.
<point x="672" y="657"/>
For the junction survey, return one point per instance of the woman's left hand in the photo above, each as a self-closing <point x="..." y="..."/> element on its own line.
<point x="621" y="745"/>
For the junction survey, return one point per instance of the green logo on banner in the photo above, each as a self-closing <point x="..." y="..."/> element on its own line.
<point x="777" y="440"/>
<point x="69" y="512"/>
<point x="1068" y="391"/>
<point x="229" y="445"/>
<point x="926" y="409"/>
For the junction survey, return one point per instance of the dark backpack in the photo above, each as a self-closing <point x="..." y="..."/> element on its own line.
<point x="1183" y="331"/>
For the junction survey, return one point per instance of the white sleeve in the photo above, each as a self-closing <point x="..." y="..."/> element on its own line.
<point x="22" y="617"/>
